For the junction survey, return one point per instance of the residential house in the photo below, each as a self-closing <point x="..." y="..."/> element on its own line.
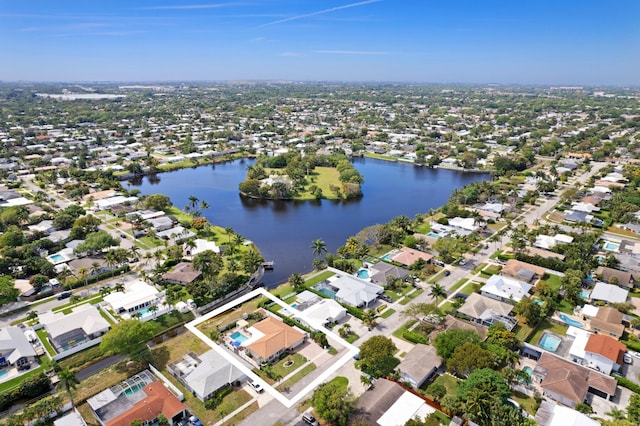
<point x="576" y="216"/>
<point x="608" y="321"/>
<point x="117" y="200"/>
<point x="73" y="418"/>
<point x="182" y="273"/>
<point x="464" y="225"/>
<point x="381" y="272"/>
<point x="46" y="226"/>
<point x="604" y="353"/>
<point x="137" y="295"/>
<point x="535" y="251"/>
<point x="205" y="374"/>
<point x="506" y="289"/>
<point x="199" y="245"/>
<point x="551" y="414"/>
<point x="608" y="293"/>
<point x="275" y="338"/>
<point x="83" y="324"/>
<point x="569" y="383"/>
<point x="92" y="266"/>
<point x="351" y="290"/>
<point x="389" y="404"/>
<point x="616" y="276"/>
<point x="155" y="399"/>
<point x="407" y="256"/>
<point x="419" y="365"/>
<point x="487" y="311"/>
<point x="522" y="271"/>
<point x="453" y="323"/>
<point x="324" y="312"/>
<point x="15" y="349"/>
<point x="160" y="223"/>
<point x="177" y="234"/>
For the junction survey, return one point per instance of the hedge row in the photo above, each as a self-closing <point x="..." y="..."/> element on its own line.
<point x="28" y="389"/>
<point x="628" y="384"/>
<point x="414" y="337"/>
<point x="632" y="345"/>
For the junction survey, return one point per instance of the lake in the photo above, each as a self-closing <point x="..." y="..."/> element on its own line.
<point x="284" y="230"/>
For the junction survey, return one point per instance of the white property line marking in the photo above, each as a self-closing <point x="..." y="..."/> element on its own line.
<point x="287" y="402"/>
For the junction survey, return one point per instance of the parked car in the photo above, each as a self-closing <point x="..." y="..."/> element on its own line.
<point x="309" y="419"/>
<point x="446" y="273"/>
<point x="194" y="421"/>
<point x="256" y="386"/>
<point x="463" y="262"/>
<point x="63" y="295"/>
<point x="386" y="298"/>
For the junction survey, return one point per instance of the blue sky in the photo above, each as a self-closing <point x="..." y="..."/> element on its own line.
<point x="440" y="41"/>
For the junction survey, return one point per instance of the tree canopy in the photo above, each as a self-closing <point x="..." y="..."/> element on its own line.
<point x="127" y="338"/>
<point x="376" y="356"/>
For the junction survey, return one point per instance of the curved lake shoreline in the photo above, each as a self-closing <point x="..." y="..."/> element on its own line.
<point x="284" y="230"/>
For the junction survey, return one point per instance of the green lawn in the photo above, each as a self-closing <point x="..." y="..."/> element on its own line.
<point x="323" y="178"/>
<point x="387" y="313"/>
<point x="340" y="381"/>
<point x="279" y="368"/>
<point x="296" y="377"/>
<point x="409" y="297"/>
<point x="458" y="285"/>
<point x="449" y="382"/>
<point x="42" y="334"/>
<point x="528" y="403"/>
<point x="352" y="337"/>
<point x="10" y="384"/>
<point x="545" y="324"/>
<point x="553" y="281"/>
<point x="406" y="326"/>
<point x="318" y="278"/>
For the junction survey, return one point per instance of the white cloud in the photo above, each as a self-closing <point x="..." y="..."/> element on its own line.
<point x="349" y="52"/>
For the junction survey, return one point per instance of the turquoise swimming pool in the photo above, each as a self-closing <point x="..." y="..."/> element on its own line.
<point x="238" y="338"/>
<point x="570" y="321"/>
<point x="363" y="273"/>
<point x="433" y="235"/>
<point x="550" y="342"/>
<point x="610" y="246"/>
<point x="386" y="257"/>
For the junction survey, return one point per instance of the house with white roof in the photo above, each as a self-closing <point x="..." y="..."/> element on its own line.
<point x="551" y="413"/>
<point x="506" y="289"/>
<point x="608" y="293"/>
<point x="205" y="374"/>
<point x="351" y="290"/>
<point x="15" y="349"/>
<point x="199" y="245"/>
<point x="324" y="312"/>
<point x="137" y="296"/>
<point x="83" y="324"/>
<point x="464" y="224"/>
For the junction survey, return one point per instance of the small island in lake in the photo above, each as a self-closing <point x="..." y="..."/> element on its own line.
<point x="308" y="176"/>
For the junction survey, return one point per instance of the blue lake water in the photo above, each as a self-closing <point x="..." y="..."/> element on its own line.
<point x="284" y="230"/>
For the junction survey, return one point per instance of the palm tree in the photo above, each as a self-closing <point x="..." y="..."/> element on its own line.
<point x="68" y="381"/>
<point x="296" y="281"/>
<point x="153" y="309"/>
<point x="32" y="315"/>
<point x="319" y="247"/>
<point x="229" y="231"/>
<point x="345" y="330"/>
<point x="135" y="251"/>
<point x="616" y="414"/>
<point x="83" y="273"/>
<point x="105" y="291"/>
<point x="369" y="318"/>
<point x="437" y="292"/>
<point x="95" y="266"/>
<point x="204" y="205"/>
<point x="119" y="287"/>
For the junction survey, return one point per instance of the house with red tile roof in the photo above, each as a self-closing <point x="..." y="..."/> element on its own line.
<point x="275" y="339"/>
<point x="157" y="400"/>
<point x="604" y="353"/>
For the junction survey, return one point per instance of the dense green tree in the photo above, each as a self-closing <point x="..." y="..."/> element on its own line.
<point x="447" y="342"/>
<point x="8" y="293"/>
<point x="376" y="356"/>
<point x="334" y="403"/>
<point x="127" y="338"/>
<point x="529" y="309"/>
<point x="157" y="202"/>
<point x="469" y="357"/>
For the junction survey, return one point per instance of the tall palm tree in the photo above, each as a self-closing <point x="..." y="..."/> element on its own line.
<point x="104" y="291"/>
<point x="119" y="287"/>
<point x="68" y="381"/>
<point x="204" y="205"/>
<point x="296" y="281"/>
<point x="319" y="247"/>
<point x="438" y="292"/>
<point x="153" y="309"/>
<point x="229" y="231"/>
<point x="83" y="274"/>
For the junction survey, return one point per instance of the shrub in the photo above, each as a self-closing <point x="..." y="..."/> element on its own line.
<point x="29" y="389"/>
<point x="622" y="381"/>
<point x="414" y="337"/>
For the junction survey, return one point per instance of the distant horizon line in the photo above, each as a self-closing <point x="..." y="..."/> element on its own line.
<point x="345" y="82"/>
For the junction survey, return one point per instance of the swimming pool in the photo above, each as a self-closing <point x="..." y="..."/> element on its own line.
<point x="386" y="257"/>
<point x="328" y="293"/>
<point x="293" y="305"/>
<point x="363" y="273"/>
<point x="433" y="235"/>
<point x="584" y="294"/>
<point x="570" y="321"/>
<point x="529" y="371"/>
<point x="610" y="246"/>
<point x="549" y="342"/>
<point x="238" y="338"/>
<point x="3" y="374"/>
